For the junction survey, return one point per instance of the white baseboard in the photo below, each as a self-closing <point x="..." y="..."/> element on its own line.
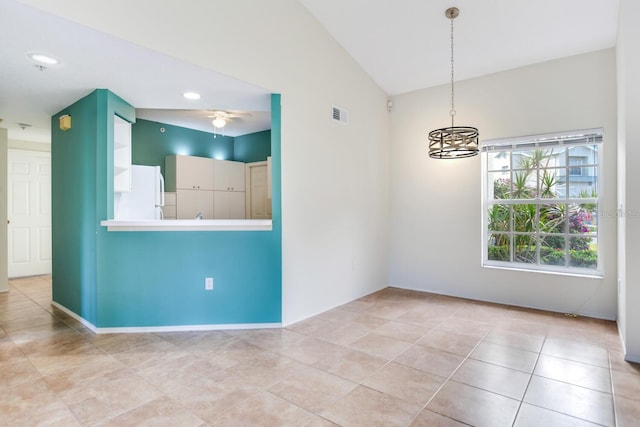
<point x="176" y="328"/>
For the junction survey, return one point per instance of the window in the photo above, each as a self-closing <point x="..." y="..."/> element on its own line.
<point x="541" y="199"/>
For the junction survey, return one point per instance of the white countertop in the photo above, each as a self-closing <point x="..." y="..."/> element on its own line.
<point x="188" y="225"/>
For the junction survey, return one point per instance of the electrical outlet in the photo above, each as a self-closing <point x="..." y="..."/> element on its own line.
<point x="208" y="284"/>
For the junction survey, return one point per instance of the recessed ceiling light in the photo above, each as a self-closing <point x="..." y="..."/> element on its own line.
<point x="43" y="59"/>
<point x="191" y="95"/>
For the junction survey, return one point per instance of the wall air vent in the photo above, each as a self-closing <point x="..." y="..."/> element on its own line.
<point x="339" y="114"/>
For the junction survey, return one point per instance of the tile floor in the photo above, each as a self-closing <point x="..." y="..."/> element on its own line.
<point x="393" y="358"/>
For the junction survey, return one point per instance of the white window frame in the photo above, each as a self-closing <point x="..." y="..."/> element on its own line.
<point x="587" y="137"/>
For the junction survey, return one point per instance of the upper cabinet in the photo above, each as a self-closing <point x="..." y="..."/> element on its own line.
<point x="228" y="175"/>
<point x="189" y="173"/>
<point x="121" y="155"/>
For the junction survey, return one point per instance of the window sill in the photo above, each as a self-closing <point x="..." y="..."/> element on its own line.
<point x="573" y="273"/>
<point x="189" y="225"/>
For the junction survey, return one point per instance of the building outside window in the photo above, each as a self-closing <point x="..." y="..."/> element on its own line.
<point x="541" y="199"/>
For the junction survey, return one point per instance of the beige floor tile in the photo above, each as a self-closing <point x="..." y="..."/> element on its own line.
<point x="9" y="352"/>
<point x="120" y="343"/>
<point x="17" y="372"/>
<point x="578" y="352"/>
<point x="342" y="333"/>
<point x="267" y="368"/>
<point x="209" y="395"/>
<point x="578" y="402"/>
<point x="210" y="377"/>
<point x="388" y="310"/>
<point x="521" y="326"/>
<point x="318" y="421"/>
<point x="21" y="398"/>
<point x="41" y="337"/>
<point x="465" y="327"/>
<point x="381" y="346"/>
<point x="51" y="415"/>
<point x="427" y="318"/>
<point x="352" y="365"/>
<point x="231" y="352"/>
<point x="507" y="357"/>
<point x="451" y="342"/>
<point x="576" y="373"/>
<point x="150" y="354"/>
<point x="493" y="378"/>
<point x="534" y="416"/>
<point x="105" y="401"/>
<point x="172" y="373"/>
<point x="474" y="406"/>
<point x="402" y="331"/>
<point x="312" y="389"/>
<point x="64" y="355"/>
<point x="517" y="340"/>
<point x="427" y="418"/>
<point x="100" y="370"/>
<point x="627" y="412"/>
<point x="264" y="409"/>
<point x="369" y="408"/>
<point x="430" y="360"/>
<point x="626" y="385"/>
<point x="310" y="350"/>
<point x="406" y="383"/>
<point x="270" y="339"/>
<point x="618" y="363"/>
<point x="159" y="412"/>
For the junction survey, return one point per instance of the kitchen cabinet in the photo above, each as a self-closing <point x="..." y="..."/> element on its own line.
<point x="188" y="173"/>
<point x="229" y="205"/>
<point x="229" y="186"/>
<point x="190" y="203"/>
<point x="214" y="188"/>
<point x="228" y="175"/>
<point x="121" y="155"/>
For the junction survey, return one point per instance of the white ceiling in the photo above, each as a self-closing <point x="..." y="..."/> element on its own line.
<point x="402" y="44"/>
<point x="89" y="59"/>
<point x="405" y="44"/>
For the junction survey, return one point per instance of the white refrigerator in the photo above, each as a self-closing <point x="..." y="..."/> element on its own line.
<point x="146" y="198"/>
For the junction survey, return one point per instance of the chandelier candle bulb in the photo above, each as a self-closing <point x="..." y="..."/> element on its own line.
<point x="454" y="142"/>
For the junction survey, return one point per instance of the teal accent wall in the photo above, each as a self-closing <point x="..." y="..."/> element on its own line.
<point x="138" y="279"/>
<point x="79" y="161"/>
<point x="253" y="147"/>
<point x="150" y="145"/>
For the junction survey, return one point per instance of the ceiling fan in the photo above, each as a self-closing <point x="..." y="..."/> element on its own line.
<point x="221" y="118"/>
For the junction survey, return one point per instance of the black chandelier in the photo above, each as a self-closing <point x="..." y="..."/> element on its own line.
<point x="453" y="142"/>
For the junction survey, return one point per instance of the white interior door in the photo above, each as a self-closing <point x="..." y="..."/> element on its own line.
<point x="29" y="212"/>
<point x="258" y="204"/>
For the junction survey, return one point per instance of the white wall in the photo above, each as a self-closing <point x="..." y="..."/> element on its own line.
<point x="334" y="177"/>
<point x="628" y="178"/>
<point x="4" y="262"/>
<point x="436" y="230"/>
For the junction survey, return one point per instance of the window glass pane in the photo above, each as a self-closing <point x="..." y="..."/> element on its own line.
<point x="523" y="184"/>
<point x="583" y="155"/>
<point x="584" y="252"/>
<point x="499" y="247"/>
<point x="499" y="161"/>
<point x="581" y="221"/>
<point x="525" y="218"/>
<point x="553" y="218"/>
<point x="498" y="217"/>
<point x="499" y="185"/>
<point x="552" y="250"/>
<point x="583" y="181"/>
<point x="550" y="184"/>
<point x="525" y="248"/>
